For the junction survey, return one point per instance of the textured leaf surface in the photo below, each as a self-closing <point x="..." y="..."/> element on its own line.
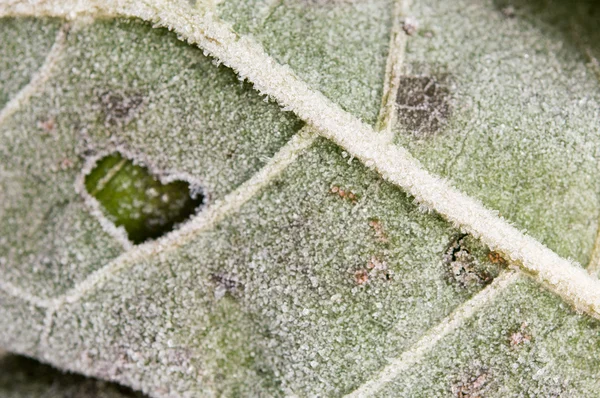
<point x="519" y="132"/>
<point x="306" y="273"/>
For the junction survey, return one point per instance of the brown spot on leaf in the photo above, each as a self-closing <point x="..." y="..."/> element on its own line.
<point x="410" y="26"/>
<point x="462" y="267"/>
<point x="66" y="164"/>
<point x="472" y="385"/>
<point x="496" y="258"/>
<point x="423" y="104"/>
<point x="344" y="194"/>
<point x="379" y="231"/>
<point x="520" y="336"/>
<point x="119" y="108"/>
<point x="47" y="125"/>
<point x="361" y="277"/>
<point x="376" y="269"/>
<point x="226" y="284"/>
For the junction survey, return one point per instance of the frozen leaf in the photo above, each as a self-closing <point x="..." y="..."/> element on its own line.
<point x="320" y="258"/>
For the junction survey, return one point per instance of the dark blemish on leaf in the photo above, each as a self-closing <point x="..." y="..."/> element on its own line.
<point x="379" y="268"/>
<point x="66" y="164"/>
<point x="410" y="26"/>
<point x="226" y="284"/>
<point x="119" y="108"/>
<point x="344" y="194"/>
<point x="376" y="269"/>
<point x="472" y="385"/>
<point x="48" y="125"/>
<point x="462" y="267"/>
<point x="361" y="277"/>
<point x="380" y="233"/>
<point x="139" y="201"/>
<point x="520" y="336"/>
<point x="423" y="104"/>
<point x="496" y="258"/>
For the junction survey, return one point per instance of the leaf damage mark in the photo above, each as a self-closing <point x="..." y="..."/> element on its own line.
<point x="344" y="194"/>
<point x="423" y="104"/>
<point x="472" y="385"/>
<point x="147" y="205"/>
<point x="226" y="284"/>
<point x="463" y="267"/>
<point x="496" y="258"/>
<point x="119" y="107"/>
<point x="410" y="26"/>
<point x="361" y="276"/>
<point x="520" y="336"/>
<point x="376" y="268"/>
<point x="47" y="125"/>
<point x="378" y="230"/>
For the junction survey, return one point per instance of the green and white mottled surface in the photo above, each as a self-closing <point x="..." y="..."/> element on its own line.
<point x="326" y="274"/>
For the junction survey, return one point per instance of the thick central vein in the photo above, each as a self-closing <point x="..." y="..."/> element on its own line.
<point x="394" y="163"/>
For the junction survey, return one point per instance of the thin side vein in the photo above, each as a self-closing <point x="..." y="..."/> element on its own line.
<point x="426" y="343"/>
<point x="394" y="163"/>
<point x="39" y="78"/>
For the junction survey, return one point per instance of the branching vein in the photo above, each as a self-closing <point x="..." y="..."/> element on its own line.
<point x="426" y="343"/>
<point x="39" y="78"/>
<point x="394" y="163"/>
<point x="203" y="221"/>
<point x="393" y="69"/>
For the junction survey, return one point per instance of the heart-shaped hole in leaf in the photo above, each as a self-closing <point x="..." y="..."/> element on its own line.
<point x="138" y="200"/>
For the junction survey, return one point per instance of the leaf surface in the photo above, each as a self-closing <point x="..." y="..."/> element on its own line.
<point x="306" y="273"/>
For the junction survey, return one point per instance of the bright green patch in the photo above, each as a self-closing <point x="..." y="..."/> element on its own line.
<point x="138" y="200"/>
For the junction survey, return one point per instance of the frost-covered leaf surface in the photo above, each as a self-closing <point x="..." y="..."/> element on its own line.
<point x="315" y="302"/>
<point x="526" y="343"/>
<point x="338" y="47"/>
<point x="25" y="45"/>
<point x="511" y="121"/>
<point x="160" y="102"/>
<point x="315" y="281"/>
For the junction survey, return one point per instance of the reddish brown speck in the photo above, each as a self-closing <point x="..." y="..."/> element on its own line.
<point x="520" y="336"/>
<point x="496" y="258"/>
<point x="361" y="277"/>
<point x="47" y="125"/>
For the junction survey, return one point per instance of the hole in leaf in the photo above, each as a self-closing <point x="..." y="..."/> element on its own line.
<point x="138" y="201"/>
<point x="465" y="264"/>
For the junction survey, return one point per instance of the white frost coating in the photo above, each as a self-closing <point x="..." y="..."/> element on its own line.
<point x="434" y="335"/>
<point x="393" y="69"/>
<point x="23" y="295"/>
<point x="39" y="78"/>
<point x="394" y="163"/>
<point x="206" y="219"/>
<point x="203" y="221"/>
<point x="594" y="266"/>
